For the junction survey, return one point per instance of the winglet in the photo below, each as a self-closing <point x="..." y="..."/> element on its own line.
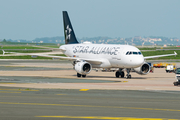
<point x="175" y="53"/>
<point x="3" y="52"/>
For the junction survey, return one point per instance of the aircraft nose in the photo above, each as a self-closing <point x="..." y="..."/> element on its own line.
<point x="140" y="61"/>
<point x="134" y="62"/>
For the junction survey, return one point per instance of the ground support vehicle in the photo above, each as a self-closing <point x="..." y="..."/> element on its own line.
<point x="170" y="68"/>
<point x="177" y="77"/>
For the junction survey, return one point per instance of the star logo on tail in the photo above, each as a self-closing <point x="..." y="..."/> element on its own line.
<point x="68" y="32"/>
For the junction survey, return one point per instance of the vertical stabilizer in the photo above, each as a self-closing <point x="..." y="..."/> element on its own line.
<point x="69" y="35"/>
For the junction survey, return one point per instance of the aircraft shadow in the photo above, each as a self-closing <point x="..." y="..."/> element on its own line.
<point x="113" y="77"/>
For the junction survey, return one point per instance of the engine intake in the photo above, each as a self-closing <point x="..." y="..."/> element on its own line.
<point x="143" y="69"/>
<point x="83" y="67"/>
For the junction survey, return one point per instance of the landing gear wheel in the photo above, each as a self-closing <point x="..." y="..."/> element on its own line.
<point x="78" y="75"/>
<point x="122" y="74"/>
<point x="128" y="76"/>
<point x="117" y="74"/>
<point x="83" y="75"/>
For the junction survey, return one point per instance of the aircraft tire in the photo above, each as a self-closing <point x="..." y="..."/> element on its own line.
<point x="78" y="75"/>
<point x="117" y="74"/>
<point x="83" y="75"/>
<point x="122" y="74"/>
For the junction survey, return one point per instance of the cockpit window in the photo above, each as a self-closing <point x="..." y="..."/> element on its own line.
<point x="133" y="52"/>
<point x="127" y="53"/>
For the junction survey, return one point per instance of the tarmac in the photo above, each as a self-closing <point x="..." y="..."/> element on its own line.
<point x="61" y="70"/>
<point x="49" y="89"/>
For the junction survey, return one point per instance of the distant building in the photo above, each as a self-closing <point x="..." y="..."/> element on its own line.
<point x="137" y="37"/>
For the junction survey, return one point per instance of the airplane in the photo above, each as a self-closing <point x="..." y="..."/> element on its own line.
<point x="85" y="56"/>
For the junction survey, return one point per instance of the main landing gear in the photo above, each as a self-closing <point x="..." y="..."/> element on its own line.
<point x="120" y="73"/>
<point x="79" y="75"/>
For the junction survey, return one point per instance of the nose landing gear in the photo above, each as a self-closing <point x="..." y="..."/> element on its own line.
<point x="128" y="76"/>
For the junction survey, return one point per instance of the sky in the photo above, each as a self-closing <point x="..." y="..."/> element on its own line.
<point x="30" y="19"/>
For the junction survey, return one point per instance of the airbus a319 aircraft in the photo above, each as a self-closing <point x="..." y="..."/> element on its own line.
<point x="85" y="56"/>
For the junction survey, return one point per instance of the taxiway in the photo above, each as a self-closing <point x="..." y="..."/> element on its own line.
<point x="50" y="90"/>
<point x="42" y="74"/>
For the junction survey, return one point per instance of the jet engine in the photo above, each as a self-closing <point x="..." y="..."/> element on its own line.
<point x="143" y="69"/>
<point x="83" y="67"/>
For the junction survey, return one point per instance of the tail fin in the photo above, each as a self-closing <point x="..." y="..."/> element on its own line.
<point x="69" y="35"/>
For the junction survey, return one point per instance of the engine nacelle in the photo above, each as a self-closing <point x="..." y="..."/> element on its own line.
<point x="143" y="69"/>
<point x="83" y="67"/>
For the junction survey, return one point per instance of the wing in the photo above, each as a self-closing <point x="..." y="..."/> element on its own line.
<point x="156" y="56"/>
<point x="92" y="61"/>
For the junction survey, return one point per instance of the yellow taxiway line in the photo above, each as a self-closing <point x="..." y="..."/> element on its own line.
<point x="71" y="105"/>
<point x="83" y="89"/>
<point x="105" y="118"/>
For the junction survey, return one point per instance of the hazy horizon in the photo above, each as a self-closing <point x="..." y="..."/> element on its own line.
<point x="32" y="19"/>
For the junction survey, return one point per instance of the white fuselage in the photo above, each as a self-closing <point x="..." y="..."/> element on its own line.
<point x="113" y="56"/>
